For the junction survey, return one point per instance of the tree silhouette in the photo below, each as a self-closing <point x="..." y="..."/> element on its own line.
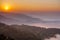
<point x="2" y="37"/>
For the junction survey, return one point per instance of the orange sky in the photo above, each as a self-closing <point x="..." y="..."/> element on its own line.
<point x="31" y="5"/>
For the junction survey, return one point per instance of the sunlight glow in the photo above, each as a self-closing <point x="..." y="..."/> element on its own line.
<point x="6" y="7"/>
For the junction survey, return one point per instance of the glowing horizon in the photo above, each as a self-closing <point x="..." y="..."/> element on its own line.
<point x="33" y="5"/>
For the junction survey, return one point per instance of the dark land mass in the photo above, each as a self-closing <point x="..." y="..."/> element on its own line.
<point x="25" y="32"/>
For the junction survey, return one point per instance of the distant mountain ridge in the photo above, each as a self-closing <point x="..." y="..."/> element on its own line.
<point x="20" y="18"/>
<point x="16" y="18"/>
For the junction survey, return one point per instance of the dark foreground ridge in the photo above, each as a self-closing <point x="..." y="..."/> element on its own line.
<point x="25" y="32"/>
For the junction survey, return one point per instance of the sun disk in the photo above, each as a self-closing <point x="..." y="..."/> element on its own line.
<point x="6" y="7"/>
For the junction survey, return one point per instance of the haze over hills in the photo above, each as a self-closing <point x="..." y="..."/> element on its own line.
<point x="26" y="32"/>
<point x="22" y="18"/>
<point x="16" y="18"/>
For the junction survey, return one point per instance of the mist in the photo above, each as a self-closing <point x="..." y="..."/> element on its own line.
<point x="54" y="38"/>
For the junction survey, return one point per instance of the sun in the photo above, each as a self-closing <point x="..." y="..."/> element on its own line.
<point x="6" y="7"/>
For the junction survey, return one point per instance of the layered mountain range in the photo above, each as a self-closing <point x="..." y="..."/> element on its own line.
<point x="17" y="18"/>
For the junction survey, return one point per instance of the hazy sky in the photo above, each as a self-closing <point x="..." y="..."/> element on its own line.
<point x="38" y="5"/>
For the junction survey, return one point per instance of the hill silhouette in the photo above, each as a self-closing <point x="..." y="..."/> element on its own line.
<point x="25" y="32"/>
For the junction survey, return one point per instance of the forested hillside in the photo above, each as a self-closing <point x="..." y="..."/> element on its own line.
<point x="25" y="32"/>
